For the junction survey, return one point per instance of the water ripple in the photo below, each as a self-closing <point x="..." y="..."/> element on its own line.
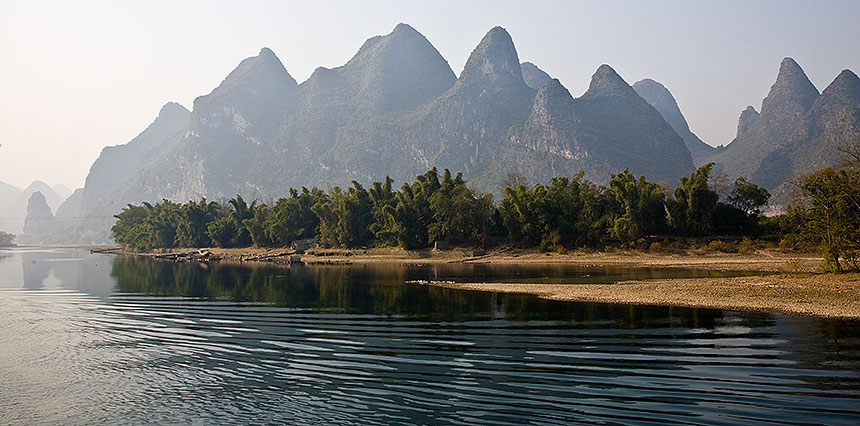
<point x="71" y="357"/>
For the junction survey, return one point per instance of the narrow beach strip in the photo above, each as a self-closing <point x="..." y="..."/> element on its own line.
<point x="821" y="295"/>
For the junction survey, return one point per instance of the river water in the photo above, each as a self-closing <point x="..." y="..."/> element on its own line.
<point x="100" y="339"/>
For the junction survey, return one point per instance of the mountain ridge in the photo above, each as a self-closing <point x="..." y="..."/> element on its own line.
<point x="397" y="108"/>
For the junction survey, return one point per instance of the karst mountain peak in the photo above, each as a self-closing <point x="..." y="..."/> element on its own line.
<point x="607" y="82"/>
<point x="397" y="108"/>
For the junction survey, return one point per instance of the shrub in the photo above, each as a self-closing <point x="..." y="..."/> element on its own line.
<point x="746" y="246"/>
<point x="722" y="247"/>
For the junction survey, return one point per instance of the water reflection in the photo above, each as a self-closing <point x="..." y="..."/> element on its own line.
<point x="379" y="289"/>
<point x="103" y="339"/>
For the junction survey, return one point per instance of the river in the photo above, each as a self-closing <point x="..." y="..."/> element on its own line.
<point x="105" y="339"/>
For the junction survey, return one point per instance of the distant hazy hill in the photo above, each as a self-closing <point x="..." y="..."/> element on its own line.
<point x="790" y="137"/>
<point x="39" y="222"/>
<point x="8" y="198"/>
<point x="13" y="204"/>
<point x="534" y="76"/>
<point x="117" y="163"/>
<point x="86" y="215"/>
<point x="660" y="98"/>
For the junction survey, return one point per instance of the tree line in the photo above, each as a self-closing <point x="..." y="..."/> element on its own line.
<point x="566" y="213"/>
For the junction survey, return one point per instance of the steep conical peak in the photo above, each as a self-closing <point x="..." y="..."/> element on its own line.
<point x="399" y="70"/>
<point x="792" y="94"/>
<point x="552" y="96"/>
<point x="403" y="28"/>
<point x="38" y="201"/>
<point x="171" y="118"/>
<point x="404" y="43"/>
<point x="747" y="119"/>
<point x="40" y="220"/>
<point x="401" y="31"/>
<point x="534" y="76"/>
<point x="607" y="82"/>
<point x="495" y="58"/>
<point x="172" y="109"/>
<point x="845" y="87"/>
<point x="265" y="68"/>
<point x="267" y="53"/>
<point x="789" y="68"/>
<point x="266" y="61"/>
<point x="843" y="91"/>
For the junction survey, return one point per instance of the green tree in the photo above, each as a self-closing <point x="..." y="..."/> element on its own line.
<point x="256" y="225"/>
<point x="241" y="211"/>
<point x="193" y="222"/>
<point x="520" y="212"/>
<point x="407" y="222"/>
<point x="148" y="226"/>
<point x="345" y="217"/>
<point x="748" y="196"/>
<point x="832" y="215"/>
<point x="384" y="201"/>
<point x="692" y="208"/>
<point x="459" y="216"/>
<point x="222" y="231"/>
<point x="643" y="207"/>
<point x="292" y="218"/>
<point x="568" y="212"/>
<point x="229" y="230"/>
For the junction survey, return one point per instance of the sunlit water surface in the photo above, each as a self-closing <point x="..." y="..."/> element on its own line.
<point x="100" y="339"/>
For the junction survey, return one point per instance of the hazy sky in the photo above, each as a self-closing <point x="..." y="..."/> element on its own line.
<point x="79" y="75"/>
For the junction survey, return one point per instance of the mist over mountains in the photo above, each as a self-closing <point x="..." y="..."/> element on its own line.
<point x="14" y="201"/>
<point x="396" y="108"/>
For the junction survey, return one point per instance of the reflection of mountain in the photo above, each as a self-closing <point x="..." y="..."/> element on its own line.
<point x="68" y="269"/>
<point x="36" y="269"/>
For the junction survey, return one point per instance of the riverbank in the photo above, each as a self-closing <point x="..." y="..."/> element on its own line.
<point x="764" y="260"/>
<point x="789" y="283"/>
<point x="821" y="295"/>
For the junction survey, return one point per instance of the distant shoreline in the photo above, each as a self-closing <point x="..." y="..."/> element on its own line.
<point x="763" y="261"/>
<point x="789" y="284"/>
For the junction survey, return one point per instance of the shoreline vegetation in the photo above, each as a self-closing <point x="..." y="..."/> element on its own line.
<point x="568" y="214"/>
<point x="701" y="223"/>
<point x="788" y="283"/>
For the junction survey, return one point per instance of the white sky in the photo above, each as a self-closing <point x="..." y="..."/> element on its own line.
<point x="79" y="75"/>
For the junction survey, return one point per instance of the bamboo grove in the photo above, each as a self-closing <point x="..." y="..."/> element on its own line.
<point x="566" y="213"/>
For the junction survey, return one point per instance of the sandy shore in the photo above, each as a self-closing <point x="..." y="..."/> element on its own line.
<point x="789" y="283"/>
<point x="822" y="295"/>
